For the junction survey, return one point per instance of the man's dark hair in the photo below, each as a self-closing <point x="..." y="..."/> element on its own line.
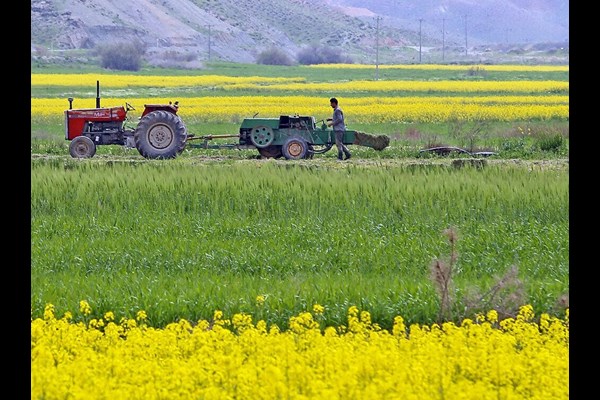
<point x="333" y="100"/>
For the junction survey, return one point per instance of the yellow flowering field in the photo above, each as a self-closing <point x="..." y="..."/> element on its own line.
<point x="364" y="109"/>
<point x="299" y="84"/>
<point x="219" y="98"/>
<point x="236" y="358"/>
<point x="124" y="81"/>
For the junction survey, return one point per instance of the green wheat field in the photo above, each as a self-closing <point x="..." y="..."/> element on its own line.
<point x="218" y="229"/>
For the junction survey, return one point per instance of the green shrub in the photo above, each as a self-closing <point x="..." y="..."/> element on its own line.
<point x="122" y="56"/>
<point x="321" y="55"/>
<point x="552" y="142"/>
<point x="274" y="56"/>
<point x="476" y="71"/>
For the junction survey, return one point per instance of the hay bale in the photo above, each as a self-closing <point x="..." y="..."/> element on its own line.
<point x="378" y="142"/>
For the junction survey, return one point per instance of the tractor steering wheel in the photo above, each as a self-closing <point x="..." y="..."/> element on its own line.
<point x="129" y="106"/>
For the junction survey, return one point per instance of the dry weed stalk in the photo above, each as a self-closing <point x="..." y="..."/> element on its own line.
<point x="505" y="296"/>
<point x="441" y="275"/>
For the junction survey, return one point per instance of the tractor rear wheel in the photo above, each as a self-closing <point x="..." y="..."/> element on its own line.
<point x="272" y="151"/>
<point x="82" y="147"/>
<point x="160" y="134"/>
<point x="295" y="148"/>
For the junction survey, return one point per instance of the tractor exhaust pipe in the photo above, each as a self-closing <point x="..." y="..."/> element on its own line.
<point x="97" y="94"/>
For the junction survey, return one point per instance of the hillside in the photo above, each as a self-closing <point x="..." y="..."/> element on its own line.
<point x="193" y="31"/>
<point x="486" y="21"/>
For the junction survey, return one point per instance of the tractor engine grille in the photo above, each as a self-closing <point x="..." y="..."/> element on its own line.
<point x="113" y="126"/>
<point x="105" y="132"/>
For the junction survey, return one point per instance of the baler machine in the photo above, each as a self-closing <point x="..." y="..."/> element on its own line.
<point x="293" y="137"/>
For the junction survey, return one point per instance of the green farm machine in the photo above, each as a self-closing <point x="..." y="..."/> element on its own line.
<point x="160" y="133"/>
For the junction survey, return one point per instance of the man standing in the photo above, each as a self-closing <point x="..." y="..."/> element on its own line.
<point x="339" y="127"/>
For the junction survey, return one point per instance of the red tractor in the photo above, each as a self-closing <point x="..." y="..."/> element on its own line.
<point x="160" y="132"/>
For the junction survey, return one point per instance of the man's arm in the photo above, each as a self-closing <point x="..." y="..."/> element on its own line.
<point x="337" y="117"/>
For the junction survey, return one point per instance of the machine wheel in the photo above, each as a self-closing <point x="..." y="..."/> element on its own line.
<point x="295" y="148"/>
<point x="262" y="136"/>
<point x="270" y="151"/>
<point x="82" y="147"/>
<point x="311" y="152"/>
<point x="160" y="134"/>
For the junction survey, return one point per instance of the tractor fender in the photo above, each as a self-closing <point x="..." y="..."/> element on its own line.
<point x="172" y="108"/>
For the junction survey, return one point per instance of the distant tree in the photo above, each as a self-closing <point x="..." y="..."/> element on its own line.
<point x="274" y="56"/>
<point x="321" y="55"/>
<point x="122" y="56"/>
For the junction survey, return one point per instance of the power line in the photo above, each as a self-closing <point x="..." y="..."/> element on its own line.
<point x="420" y="22"/>
<point x="443" y="38"/>
<point x="466" y="48"/>
<point x="377" y="49"/>
<point x="209" y="42"/>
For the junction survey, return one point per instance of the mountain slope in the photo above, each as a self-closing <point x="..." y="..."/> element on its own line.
<point x="486" y="21"/>
<point x="238" y="30"/>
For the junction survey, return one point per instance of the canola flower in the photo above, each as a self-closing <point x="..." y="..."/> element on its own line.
<point x="485" y="358"/>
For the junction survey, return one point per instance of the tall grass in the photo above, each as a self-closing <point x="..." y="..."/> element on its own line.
<point x="180" y="239"/>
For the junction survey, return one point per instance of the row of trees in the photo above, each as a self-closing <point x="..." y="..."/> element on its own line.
<point x="309" y="55"/>
<point x="129" y="56"/>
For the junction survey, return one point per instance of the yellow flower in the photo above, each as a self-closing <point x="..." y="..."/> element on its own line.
<point x="49" y="312"/>
<point x="492" y="316"/>
<point x="96" y="323"/>
<point x="141" y="315"/>
<point x="318" y="309"/>
<point x="399" y="328"/>
<point x="260" y="300"/>
<point x="85" y="308"/>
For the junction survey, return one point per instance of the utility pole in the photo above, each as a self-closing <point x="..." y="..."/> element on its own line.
<point x="466" y="48"/>
<point x="420" y="22"/>
<point x="443" y="38"/>
<point x="377" y="50"/>
<point x="209" y="42"/>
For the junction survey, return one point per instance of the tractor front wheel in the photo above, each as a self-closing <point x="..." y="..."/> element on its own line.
<point x="295" y="148"/>
<point x="160" y="134"/>
<point x="82" y="147"/>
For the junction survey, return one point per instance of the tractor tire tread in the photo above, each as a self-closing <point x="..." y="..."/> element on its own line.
<point x="177" y="129"/>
